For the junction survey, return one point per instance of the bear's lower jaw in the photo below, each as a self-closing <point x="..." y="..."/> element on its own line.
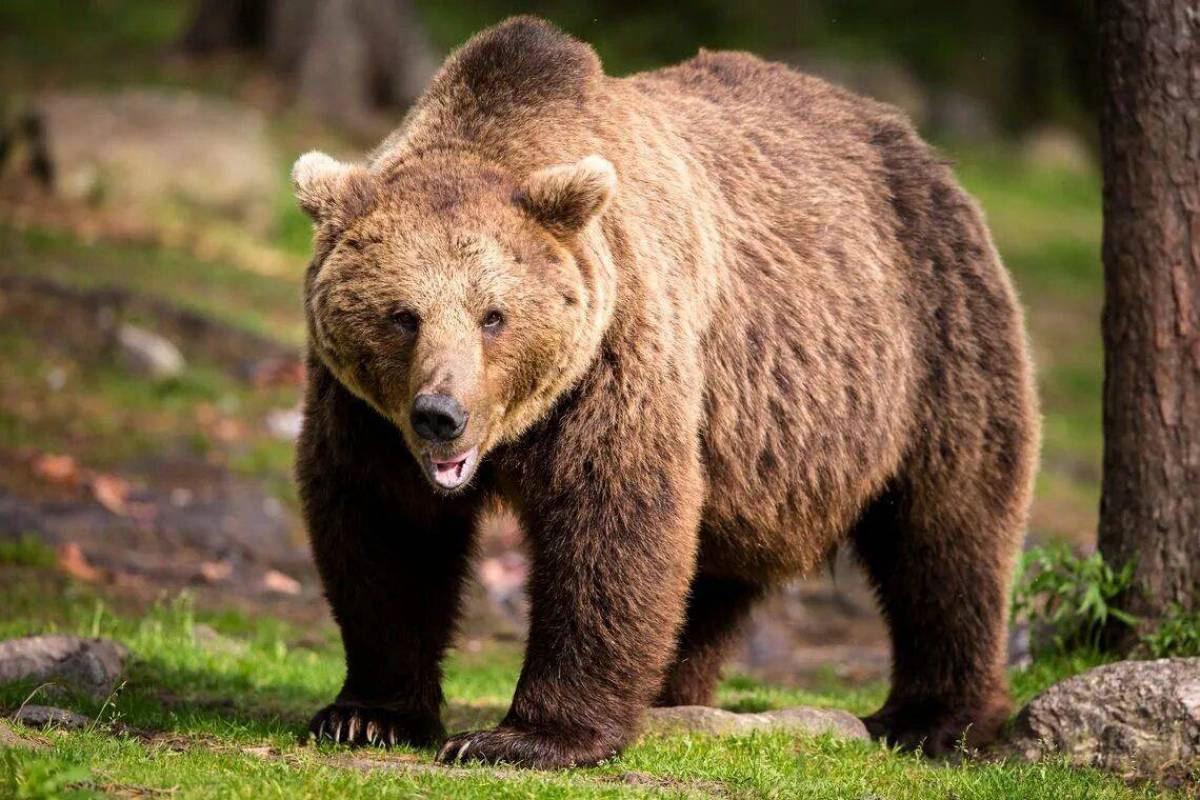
<point x="453" y="473"/>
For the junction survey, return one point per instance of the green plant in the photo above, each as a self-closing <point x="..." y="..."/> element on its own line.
<point x="1067" y="598"/>
<point x="1177" y="634"/>
<point x="26" y="779"/>
<point x="27" y="551"/>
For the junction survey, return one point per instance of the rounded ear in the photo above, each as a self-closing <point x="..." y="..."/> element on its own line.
<point x="330" y="191"/>
<point x="566" y="197"/>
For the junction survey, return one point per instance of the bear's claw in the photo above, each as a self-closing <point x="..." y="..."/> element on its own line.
<point x="360" y="725"/>
<point x="522" y="748"/>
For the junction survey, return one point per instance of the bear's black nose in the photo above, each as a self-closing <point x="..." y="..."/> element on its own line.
<point x="438" y="417"/>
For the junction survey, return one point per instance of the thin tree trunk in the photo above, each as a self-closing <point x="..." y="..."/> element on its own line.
<point x="346" y="59"/>
<point x="1150" y="142"/>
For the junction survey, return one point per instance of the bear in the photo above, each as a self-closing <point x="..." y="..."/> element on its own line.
<point x="698" y="327"/>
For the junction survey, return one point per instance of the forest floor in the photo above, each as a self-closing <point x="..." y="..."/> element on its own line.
<point x="161" y="512"/>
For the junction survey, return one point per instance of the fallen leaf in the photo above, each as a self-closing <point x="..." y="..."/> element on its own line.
<point x="215" y="571"/>
<point x="72" y="561"/>
<point x="275" y="581"/>
<point x="112" y="493"/>
<point x="56" y="468"/>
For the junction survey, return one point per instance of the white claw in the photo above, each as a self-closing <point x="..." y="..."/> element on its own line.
<point x="462" y="750"/>
<point x="391" y="737"/>
<point x="441" y="756"/>
<point x="337" y="732"/>
<point x="321" y="731"/>
<point x="352" y="729"/>
<point x="372" y="732"/>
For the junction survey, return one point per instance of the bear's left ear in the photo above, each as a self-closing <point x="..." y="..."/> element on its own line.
<point x="566" y="197"/>
<point x="330" y="191"/>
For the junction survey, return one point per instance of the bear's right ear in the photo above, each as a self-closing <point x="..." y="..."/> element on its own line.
<point x="329" y="191"/>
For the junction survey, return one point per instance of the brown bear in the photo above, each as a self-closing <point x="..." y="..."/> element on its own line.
<point x="697" y="327"/>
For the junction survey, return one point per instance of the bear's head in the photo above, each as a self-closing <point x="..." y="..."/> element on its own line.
<point x="456" y="299"/>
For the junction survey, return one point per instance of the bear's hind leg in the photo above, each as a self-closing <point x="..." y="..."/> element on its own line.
<point x="941" y="573"/>
<point x="717" y="610"/>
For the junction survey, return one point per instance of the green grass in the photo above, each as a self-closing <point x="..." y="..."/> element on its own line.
<point x="26" y="551"/>
<point x="265" y="304"/>
<point x="199" y="719"/>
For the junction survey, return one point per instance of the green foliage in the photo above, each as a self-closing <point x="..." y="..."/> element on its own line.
<point x="1178" y="634"/>
<point x="24" y="778"/>
<point x="27" y="551"/>
<point x="1068" y="598"/>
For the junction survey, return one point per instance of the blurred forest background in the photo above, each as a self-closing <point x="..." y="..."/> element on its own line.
<point x="151" y="258"/>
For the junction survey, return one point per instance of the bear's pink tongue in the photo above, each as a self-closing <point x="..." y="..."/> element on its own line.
<point x="450" y="469"/>
<point x="453" y="472"/>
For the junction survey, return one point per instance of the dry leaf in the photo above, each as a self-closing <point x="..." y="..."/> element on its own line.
<point x="275" y="581"/>
<point x="215" y="571"/>
<point x="72" y="561"/>
<point x="112" y="493"/>
<point x="56" y="468"/>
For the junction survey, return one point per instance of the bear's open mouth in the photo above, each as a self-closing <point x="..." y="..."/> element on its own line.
<point x="453" y="472"/>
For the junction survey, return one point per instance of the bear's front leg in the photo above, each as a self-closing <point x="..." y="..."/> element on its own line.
<point x="392" y="556"/>
<point x="611" y="518"/>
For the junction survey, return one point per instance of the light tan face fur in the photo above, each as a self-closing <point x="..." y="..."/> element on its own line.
<point x="452" y="279"/>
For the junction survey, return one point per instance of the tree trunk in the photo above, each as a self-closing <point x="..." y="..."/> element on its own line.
<point x="346" y="59"/>
<point x="1150" y="142"/>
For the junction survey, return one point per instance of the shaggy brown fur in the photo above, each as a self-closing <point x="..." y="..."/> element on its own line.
<point x="702" y="324"/>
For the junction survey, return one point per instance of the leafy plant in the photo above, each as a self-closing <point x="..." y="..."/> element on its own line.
<point x="27" y="551"/>
<point x="1178" y="634"/>
<point x="26" y="779"/>
<point x="1067" y="598"/>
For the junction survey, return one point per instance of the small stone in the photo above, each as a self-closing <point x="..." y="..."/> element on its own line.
<point x="276" y="582"/>
<point x="50" y="717"/>
<point x="148" y="354"/>
<point x="210" y="639"/>
<point x="1136" y="718"/>
<point x="718" y="722"/>
<point x="285" y="423"/>
<point x="89" y="665"/>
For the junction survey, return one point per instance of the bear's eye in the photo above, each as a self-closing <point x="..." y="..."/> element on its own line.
<point x="493" y="321"/>
<point x="406" y="320"/>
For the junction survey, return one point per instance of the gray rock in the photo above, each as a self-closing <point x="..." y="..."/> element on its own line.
<point x="285" y="423"/>
<point x="718" y="722"/>
<point x="50" y="717"/>
<point x="210" y="639"/>
<point x="1136" y="718"/>
<point x="89" y="665"/>
<point x="146" y="150"/>
<point x="149" y="354"/>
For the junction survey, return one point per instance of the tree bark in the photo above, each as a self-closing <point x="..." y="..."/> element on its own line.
<point x="1150" y="144"/>
<point x="345" y="59"/>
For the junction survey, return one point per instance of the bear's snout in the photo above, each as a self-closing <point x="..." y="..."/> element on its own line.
<point x="438" y="418"/>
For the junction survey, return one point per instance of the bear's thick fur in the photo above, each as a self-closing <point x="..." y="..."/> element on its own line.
<point x="697" y="326"/>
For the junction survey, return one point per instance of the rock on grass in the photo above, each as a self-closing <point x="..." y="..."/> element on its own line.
<point x="92" y="666"/>
<point x="718" y="722"/>
<point x="50" y="717"/>
<point x="1135" y="718"/>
